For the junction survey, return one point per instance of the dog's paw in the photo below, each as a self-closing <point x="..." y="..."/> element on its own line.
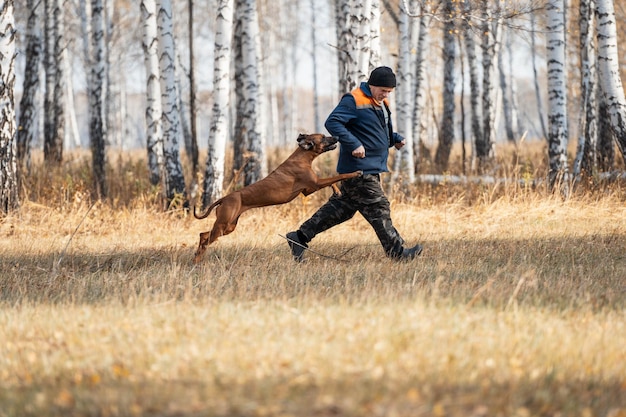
<point x="359" y="173"/>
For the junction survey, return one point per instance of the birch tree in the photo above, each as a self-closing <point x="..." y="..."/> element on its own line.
<point x="28" y="104"/>
<point x="54" y="119"/>
<point x="420" y="83"/>
<point x="154" y="109"/>
<point x="490" y="49"/>
<point x="250" y="106"/>
<point x="557" y="93"/>
<point x="586" y="157"/>
<point x="404" y="100"/>
<point x="347" y="48"/>
<point x="97" y="98"/>
<point x="608" y="66"/>
<point x="446" y="130"/>
<point x="475" y="84"/>
<point x="173" y="175"/>
<point x="9" y="200"/>
<point x="533" y="56"/>
<point x="218" y="134"/>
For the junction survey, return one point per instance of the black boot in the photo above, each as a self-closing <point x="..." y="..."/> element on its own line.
<point x="297" y="244"/>
<point x="408" y="253"/>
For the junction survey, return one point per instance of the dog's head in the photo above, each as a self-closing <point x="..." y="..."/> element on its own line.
<point x="317" y="142"/>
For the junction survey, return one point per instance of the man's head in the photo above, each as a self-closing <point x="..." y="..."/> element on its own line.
<point x="382" y="81"/>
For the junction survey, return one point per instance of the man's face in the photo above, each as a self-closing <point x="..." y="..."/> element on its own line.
<point x="380" y="93"/>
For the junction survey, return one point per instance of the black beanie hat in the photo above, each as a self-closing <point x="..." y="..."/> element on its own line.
<point x="382" y="77"/>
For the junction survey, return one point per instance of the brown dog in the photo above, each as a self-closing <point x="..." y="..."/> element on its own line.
<point x="292" y="177"/>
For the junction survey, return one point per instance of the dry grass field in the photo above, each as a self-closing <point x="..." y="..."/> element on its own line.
<point x="515" y="308"/>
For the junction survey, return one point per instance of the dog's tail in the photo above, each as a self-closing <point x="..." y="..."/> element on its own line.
<point x="206" y="212"/>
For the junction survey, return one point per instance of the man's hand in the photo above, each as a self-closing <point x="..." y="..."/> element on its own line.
<point x="399" y="145"/>
<point x="359" y="152"/>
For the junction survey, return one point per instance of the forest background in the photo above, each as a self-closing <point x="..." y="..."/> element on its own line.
<point x="516" y="306"/>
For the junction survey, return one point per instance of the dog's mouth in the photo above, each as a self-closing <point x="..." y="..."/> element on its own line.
<point x="330" y="143"/>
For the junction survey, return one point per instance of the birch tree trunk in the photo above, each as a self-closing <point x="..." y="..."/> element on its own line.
<point x="507" y="96"/>
<point x="28" y="106"/>
<point x="533" y="55"/>
<point x="192" y="94"/>
<point x="174" y="177"/>
<point x="420" y="84"/>
<point x="97" y="98"/>
<point x="475" y="84"/>
<point x="446" y="131"/>
<point x="9" y="198"/>
<point x="608" y="66"/>
<point x="404" y="102"/>
<point x="252" y="109"/>
<point x="154" y="109"/>
<point x="374" y="56"/>
<point x="586" y="159"/>
<point x="218" y="134"/>
<point x="557" y="93"/>
<point x="490" y="49"/>
<point x="54" y="128"/>
<point x="347" y="49"/>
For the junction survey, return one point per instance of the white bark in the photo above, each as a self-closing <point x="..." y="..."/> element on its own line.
<point x="154" y="110"/>
<point x="97" y="98"/>
<point x="588" y="127"/>
<point x="55" y="87"/>
<point x="347" y="48"/>
<point x="420" y="84"/>
<point x="8" y="149"/>
<point x="218" y="135"/>
<point x="608" y="66"/>
<point x="475" y="84"/>
<point x="174" y="178"/>
<point x="28" y="107"/>
<point x="490" y="49"/>
<point x="533" y="55"/>
<point x="447" y="127"/>
<point x="252" y="122"/>
<point x="404" y="103"/>
<point x="374" y="56"/>
<point x="557" y="92"/>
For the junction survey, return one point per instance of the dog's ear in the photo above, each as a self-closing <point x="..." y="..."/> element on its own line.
<point x="304" y="142"/>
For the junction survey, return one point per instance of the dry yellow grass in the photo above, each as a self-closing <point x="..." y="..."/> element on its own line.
<point x="516" y="308"/>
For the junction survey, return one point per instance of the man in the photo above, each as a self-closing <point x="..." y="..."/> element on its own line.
<point x="362" y="122"/>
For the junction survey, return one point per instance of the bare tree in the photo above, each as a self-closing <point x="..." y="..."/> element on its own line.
<point x="54" y="119"/>
<point x="174" y="178"/>
<point x="218" y="135"/>
<point x="192" y="93"/>
<point x="491" y="30"/>
<point x="419" y="106"/>
<point x="533" y="56"/>
<point x="557" y="93"/>
<point x="9" y="200"/>
<point x="249" y="107"/>
<point x="446" y="131"/>
<point x="608" y="65"/>
<point x="404" y="102"/>
<point x="97" y="98"/>
<point x="586" y="159"/>
<point x="469" y="34"/>
<point x="28" y="105"/>
<point x="154" y="109"/>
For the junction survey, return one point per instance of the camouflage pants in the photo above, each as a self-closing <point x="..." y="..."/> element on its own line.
<point x="365" y="195"/>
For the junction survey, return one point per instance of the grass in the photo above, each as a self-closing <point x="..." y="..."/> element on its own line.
<point x="516" y="308"/>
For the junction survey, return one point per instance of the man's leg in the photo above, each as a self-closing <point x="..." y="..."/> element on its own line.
<point x="375" y="208"/>
<point x="337" y="210"/>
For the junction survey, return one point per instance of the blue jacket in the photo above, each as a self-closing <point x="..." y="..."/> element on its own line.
<point x="358" y="121"/>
